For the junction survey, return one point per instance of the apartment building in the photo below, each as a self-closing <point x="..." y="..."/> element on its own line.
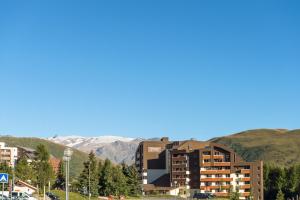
<point x="189" y="167"/>
<point x="8" y="155"/>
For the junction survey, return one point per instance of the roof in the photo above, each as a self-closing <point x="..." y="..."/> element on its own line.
<point x="23" y="183"/>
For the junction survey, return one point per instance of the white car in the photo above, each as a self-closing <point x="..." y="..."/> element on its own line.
<point x="22" y="196"/>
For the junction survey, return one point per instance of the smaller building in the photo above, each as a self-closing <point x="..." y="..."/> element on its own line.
<point x="8" y="155"/>
<point x="27" y="153"/>
<point x="21" y="186"/>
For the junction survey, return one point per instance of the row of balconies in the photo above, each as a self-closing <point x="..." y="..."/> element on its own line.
<point x="217" y="164"/>
<point x="217" y="179"/>
<point x="215" y="172"/>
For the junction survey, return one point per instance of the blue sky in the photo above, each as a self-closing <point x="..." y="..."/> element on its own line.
<point x="148" y="68"/>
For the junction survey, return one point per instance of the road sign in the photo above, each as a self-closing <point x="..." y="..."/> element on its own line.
<point x="3" y="178"/>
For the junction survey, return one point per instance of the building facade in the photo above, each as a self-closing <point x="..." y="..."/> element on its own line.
<point x="8" y="155"/>
<point x="190" y="167"/>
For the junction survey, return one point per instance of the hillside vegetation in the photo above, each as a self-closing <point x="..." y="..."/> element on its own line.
<point x="271" y="145"/>
<point x="57" y="150"/>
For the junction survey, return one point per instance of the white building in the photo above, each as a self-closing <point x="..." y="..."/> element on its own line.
<point x="8" y="155"/>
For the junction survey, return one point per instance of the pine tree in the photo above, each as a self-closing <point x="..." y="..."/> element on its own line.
<point x="292" y="181"/>
<point x="44" y="170"/>
<point x="60" y="182"/>
<point x="24" y="170"/>
<point x="280" y="195"/>
<point x="119" y="180"/>
<point x="132" y="179"/>
<point x="106" y="185"/>
<point x="89" y="177"/>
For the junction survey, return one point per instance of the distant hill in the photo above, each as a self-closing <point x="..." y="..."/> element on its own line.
<point x="76" y="164"/>
<point x="271" y="145"/>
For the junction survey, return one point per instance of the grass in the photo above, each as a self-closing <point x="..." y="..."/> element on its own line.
<point x="76" y="196"/>
<point x="73" y="195"/>
<point x="271" y="145"/>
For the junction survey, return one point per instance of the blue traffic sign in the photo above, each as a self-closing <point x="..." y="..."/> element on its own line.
<point x="3" y="178"/>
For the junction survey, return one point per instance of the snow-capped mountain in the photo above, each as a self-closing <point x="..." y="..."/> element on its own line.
<point x="116" y="148"/>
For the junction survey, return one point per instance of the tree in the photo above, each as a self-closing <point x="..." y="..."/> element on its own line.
<point x="89" y="172"/>
<point x="120" y="182"/>
<point x="234" y="195"/>
<point x="60" y="182"/>
<point x="4" y="168"/>
<point x="132" y="180"/>
<point x="24" y="170"/>
<point x="280" y="195"/>
<point x="106" y="179"/>
<point x="44" y="170"/>
<point x="292" y="181"/>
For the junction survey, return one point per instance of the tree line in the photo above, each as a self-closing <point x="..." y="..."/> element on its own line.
<point x="281" y="182"/>
<point x="102" y="178"/>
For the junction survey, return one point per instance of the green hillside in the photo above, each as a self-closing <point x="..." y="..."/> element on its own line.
<point x="271" y="145"/>
<point x="56" y="150"/>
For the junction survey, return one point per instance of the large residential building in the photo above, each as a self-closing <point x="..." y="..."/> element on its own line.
<point x="8" y="155"/>
<point x="190" y="167"/>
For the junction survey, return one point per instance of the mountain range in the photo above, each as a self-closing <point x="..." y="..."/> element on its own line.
<point x="279" y="146"/>
<point x="117" y="149"/>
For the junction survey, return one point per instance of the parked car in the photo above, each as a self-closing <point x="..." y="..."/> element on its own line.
<point x="203" y="196"/>
<point x="21" y="196"/>
<point x="52" y="196"/>
<point x="4" y="197"/>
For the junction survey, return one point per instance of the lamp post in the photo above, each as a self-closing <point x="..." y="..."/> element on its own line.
<point x="89" y="180"/>
<point x="67" y="157"/>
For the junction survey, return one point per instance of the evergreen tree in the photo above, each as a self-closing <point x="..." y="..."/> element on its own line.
<point x="132" y="180"/>
<point x="277" y="181"/>
<point x="280" y="195"/>
<point x="106" y="185"/>
<point x="24" y="170"/>
<point x="88" y="179"/>
<point x="119" y="180"/>
<point x="60" y="182"/>
<point x="292" y="181"/>
<point x="44" y="170"/>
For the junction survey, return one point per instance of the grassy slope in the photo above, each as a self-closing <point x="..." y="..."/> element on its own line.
<point x="270" y="145"/>
<point x="76" y="164"/>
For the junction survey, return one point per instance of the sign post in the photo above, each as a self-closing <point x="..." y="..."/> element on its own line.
<point x="3" y="180"/>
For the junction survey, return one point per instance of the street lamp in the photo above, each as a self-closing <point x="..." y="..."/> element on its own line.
<point x="67" y="157"/>
<point x="89" y="180"/>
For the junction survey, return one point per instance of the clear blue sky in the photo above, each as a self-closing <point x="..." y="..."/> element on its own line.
<point x="148" y="68"/>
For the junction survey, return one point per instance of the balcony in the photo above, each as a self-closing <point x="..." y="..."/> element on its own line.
<point x="215" y="172"/>
<point x="213" y="187"/>
<point x="215" y="179"/>
<point x="221" y="194"/>
<point x="206" y="156"/>
<point x="245" y="179"/>
<point x="245" y="194"/>
<point x="247" y="186"/>
<point x="245" y="171"/>
<point x="221" y="164"/>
